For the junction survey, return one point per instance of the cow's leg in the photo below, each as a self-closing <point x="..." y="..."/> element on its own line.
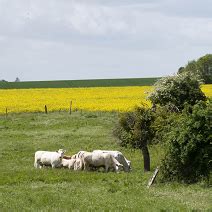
<point x="106" y="168"/>
<point x="39" y="164"/>
<point x="86" y="167"/>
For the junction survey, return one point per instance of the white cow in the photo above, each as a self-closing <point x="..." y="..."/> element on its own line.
<point x="119" y="157"/>
<point x="48" y="158"/>
<point x="100" y="159"/>
<point x="68" y="163"/>
<point x="75" y="164"/>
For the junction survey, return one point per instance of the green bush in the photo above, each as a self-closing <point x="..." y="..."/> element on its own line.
<point x="189" y="151"/>
<point x="164" y="120"/>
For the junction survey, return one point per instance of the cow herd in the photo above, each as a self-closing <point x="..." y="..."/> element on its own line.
<point x="83" y="160"/>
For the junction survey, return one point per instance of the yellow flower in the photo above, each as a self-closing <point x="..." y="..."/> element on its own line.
<point x="91" y="99"/>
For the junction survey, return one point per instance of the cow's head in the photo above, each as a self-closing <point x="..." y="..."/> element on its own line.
<point x="129" y="165"/>
<point x="61" y="152"/>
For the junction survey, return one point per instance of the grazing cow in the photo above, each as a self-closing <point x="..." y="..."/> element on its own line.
<point x="75" y="164"/>
<point x="100" y="159"/>
<point x="47" y="158"/>
<point x="69" y="163"/>
<point x="119" y="157"/>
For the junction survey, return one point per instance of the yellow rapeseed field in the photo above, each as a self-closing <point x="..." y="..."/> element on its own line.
<point x="92" y="99"/>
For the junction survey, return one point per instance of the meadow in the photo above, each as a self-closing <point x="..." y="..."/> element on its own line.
<point x="24" y="188"/>
<point x="89" y="99"/>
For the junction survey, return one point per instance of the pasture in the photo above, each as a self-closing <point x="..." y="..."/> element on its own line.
<point x="22" y="187"/>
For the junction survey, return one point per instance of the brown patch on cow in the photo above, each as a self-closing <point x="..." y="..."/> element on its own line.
<point x="67" y="157"/>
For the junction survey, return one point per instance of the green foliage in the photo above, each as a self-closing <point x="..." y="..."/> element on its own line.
<point x="134" y="128"/>
<point x="176" y="91"/>
<point x="189" y="150"/>
<point x="205" y="67"/>
<point x="164" y="118"/>
<point x="201" y="67"/>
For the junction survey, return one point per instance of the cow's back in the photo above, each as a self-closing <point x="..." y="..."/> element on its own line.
<point x="38" y="154"/>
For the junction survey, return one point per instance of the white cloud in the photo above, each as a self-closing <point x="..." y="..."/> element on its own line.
<point x="43" y="34"/>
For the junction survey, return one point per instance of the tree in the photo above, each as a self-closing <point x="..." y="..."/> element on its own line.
<point x="134" y="129"/>
<point x="17" y="79"/>
<point x="204" y="65"/>
<point x="201" y="67"/>
<point x="177" y="90"/>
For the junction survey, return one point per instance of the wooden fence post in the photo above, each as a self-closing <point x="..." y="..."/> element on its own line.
<point x="6" y="113"/>
<point x="151" y="181"/>
<point x="46" y="110"/>
<point x="70" y="108"/>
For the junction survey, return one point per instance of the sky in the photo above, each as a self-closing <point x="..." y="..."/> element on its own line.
<point x="100" y="39"/>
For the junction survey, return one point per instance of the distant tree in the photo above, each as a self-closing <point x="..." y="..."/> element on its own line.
<point x="201" y="67"/>
<point x="204" y="65"/>
<point x="17" y="79"/>
<point x="177" y="90"/>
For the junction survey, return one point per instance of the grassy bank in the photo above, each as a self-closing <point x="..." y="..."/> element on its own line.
<point x="22" y="187"/>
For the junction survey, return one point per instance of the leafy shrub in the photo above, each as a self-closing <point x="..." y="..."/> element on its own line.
<point x="134" y="128"/>
<point x="164" y="120"/>
<point x="189" y="150"/>
<point x="177" y="90"/>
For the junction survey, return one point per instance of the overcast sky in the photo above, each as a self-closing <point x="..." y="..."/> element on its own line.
<point x="88" y="39"/>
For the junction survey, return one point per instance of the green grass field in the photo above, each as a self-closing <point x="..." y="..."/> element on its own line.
<point x="79" y="83"/>
<point x="24" y="188"/>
